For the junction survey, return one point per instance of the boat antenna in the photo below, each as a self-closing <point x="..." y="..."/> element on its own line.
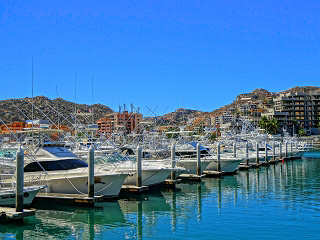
<point x="32" y="107"/>
<point x="92" y="99"/>
<point x="57" y="107"/>
<point x="75" y="99"/>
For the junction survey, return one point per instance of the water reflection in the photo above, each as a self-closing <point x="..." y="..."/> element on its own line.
<point x="293" y="186"/>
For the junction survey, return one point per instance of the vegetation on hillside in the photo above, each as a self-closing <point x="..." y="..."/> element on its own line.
<point x="271" y="126"/>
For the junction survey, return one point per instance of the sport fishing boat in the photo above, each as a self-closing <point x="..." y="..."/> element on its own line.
<point x="152" y="171"/>
<point x="187" y="157"/>
<point x="64" y="172"/>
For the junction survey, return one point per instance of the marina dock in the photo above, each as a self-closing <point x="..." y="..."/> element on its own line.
<point x="80" y="200"/>
<point x="8" y="214"/>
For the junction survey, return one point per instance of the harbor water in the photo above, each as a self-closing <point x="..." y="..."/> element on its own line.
<point x="279" y="201"/>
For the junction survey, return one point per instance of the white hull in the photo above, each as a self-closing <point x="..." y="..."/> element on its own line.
<point x="8" y="197"/>
<point x="226" y="165"/>
<point x="190" y="165"/>
<point x="149" y="177"/>
<point x="105" y="185"/>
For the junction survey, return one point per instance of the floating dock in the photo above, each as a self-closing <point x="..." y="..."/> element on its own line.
<point x="126" y="189"/>
<point x="8" y="214"/>
<point x="191" y="177"/>
<point x="67" y="199"/>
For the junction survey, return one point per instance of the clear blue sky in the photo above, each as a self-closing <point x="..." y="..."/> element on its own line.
<point x="161" y="54"/>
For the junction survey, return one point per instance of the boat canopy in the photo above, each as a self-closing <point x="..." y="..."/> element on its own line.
<point x="202" y="148"/>
<point x="57" y="165"/>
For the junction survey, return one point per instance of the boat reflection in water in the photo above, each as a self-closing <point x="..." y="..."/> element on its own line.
<point x="62" y="222"/>
<point x="196" y="210"/>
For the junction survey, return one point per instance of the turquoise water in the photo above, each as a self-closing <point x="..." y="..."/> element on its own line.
<point x="277" y="202"/>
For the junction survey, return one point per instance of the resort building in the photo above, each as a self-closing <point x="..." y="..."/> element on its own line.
<point x="298" y="109"/>
<point x="119" y="122"/>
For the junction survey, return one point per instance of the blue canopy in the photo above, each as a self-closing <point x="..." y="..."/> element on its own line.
<point x="194" y="144"/>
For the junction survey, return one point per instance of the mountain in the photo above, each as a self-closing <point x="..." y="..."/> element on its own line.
<point x="44" y="108"/>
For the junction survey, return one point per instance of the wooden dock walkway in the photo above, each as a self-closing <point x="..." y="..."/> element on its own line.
<point x="67" y="199"/>
<point x="8" y="214"/>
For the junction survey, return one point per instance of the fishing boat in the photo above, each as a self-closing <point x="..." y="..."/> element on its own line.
<point x="153" y="172"/>
<point x="64" y="172"/>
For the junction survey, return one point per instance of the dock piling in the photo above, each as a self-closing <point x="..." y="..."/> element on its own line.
<point x="280" y="150"/>
<point x="19" y="180"/>
<point x="173" y="161"/>
<point x="273" y="151"/>
<point x="286" y="150"/>
<point x="91" y="172"/>
<point x="234" y="150"/>
<point x="218" y="158"/>
<point x="257" y="152"/>
<point x="266" y="152"/>
<point x="198" y="160"/>
<point x="139" y="170"/>
<point x="247" y="154"/>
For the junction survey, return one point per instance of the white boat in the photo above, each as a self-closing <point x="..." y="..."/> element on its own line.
<point x="228" y="164"/>
<point x="64" y="172"/>
<point x="186" y="157"/>
<point x="8" y="195"/>
<point x="152" y="171"/>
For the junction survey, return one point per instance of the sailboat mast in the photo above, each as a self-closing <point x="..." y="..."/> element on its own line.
<point x="32" y="107"/>
<point x="75" y="99"/>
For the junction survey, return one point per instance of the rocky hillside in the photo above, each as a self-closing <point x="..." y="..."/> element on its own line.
<point x="45" y="108"/>
<point x="261" y="98"/>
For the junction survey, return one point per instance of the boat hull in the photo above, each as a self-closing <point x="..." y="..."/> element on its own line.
<point x="8" y="198"/>
<point x="105" y="185"/>
<point x="226" y="165"/>
<point x="149" y="177"/>
<point x="190" y="165"/>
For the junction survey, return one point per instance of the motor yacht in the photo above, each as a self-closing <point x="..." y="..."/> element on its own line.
<point x="64" y="172"/>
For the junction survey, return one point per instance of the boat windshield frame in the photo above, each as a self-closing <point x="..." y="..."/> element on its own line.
<point x="55" y="165"/>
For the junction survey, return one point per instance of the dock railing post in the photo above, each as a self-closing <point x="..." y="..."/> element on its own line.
<point x="234" y="150"/>
<point x="286" y="150"/>
<point x="19" y="179"/>
<point x="139" y="170"/>
<point x="266" y="150"/>
<point x="198" y="160"/>
<point x="91" y="172"/>
<point x="247" y="154"/>
<point x="273" y="151"/>
<point x="218" y="158"/>
<point x="280" y="150"/>
<point x="257" y="152"/>
<point x="173" y="161"/>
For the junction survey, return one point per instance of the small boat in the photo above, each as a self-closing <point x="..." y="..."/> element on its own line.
<point x="8" y="195"/>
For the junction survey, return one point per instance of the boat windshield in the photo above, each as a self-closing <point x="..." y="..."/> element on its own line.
<point x="59" y="151"/>
<point x="66" y="164"/>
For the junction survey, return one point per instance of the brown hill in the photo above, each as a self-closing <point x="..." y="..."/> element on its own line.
<point x="45" y="108"/>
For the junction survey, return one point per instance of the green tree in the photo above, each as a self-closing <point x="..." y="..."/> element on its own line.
<point x="301" y="132"/>
<point x="271" y="126"/>
<point x="173" y="135"/>
<point x="263" y="122"/>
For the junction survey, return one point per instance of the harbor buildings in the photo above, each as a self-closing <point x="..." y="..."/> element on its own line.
<point x="299" y="109"/>
<point x="119" y="121"/>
